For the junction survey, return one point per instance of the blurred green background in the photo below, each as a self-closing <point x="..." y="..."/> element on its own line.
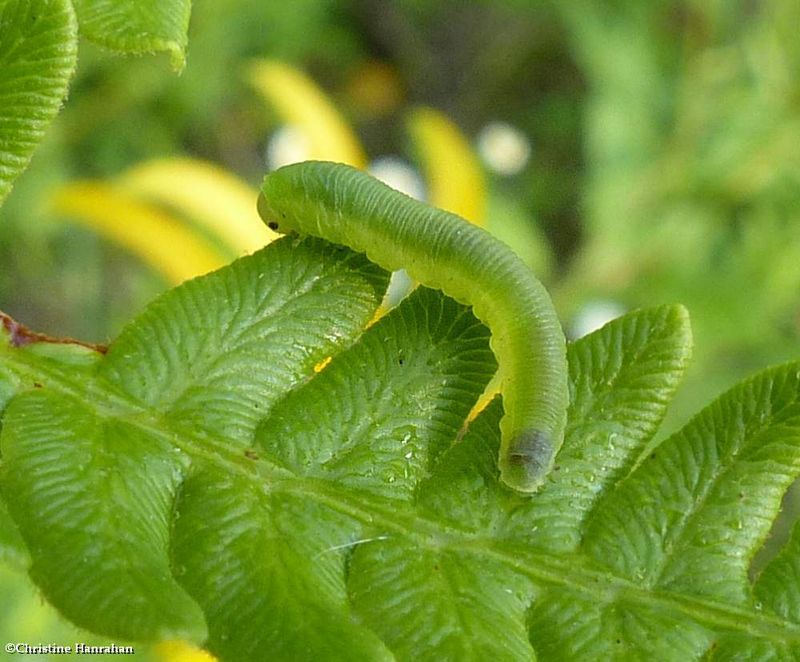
<point x="649" y="149"/>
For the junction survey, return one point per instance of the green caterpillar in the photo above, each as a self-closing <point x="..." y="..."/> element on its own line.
<point x="441" y="250"/>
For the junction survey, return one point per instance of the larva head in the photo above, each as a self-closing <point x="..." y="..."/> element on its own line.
<point x="527" y="461"/>
<point x="269" y="215"/>
<point x="316" y="198"/>
<point x="284" y="200"/>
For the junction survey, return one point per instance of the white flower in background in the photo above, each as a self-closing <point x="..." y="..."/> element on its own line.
<point x="287" y="145"/>
<point x="503" y="148"/>
<point x="398" y="174"/>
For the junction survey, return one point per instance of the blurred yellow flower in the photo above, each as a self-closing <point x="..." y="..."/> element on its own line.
<point x="180" y="651"/>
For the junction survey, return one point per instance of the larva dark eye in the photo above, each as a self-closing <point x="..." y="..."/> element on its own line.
<point x="267" y="213"/>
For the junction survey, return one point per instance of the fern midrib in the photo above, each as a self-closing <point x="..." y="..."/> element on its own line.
<point x="389" y="516"/>
<point x="386" y="515"/>
<point x="539" y="566"/>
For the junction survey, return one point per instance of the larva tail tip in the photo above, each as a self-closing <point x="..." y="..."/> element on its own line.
<point x="526" y="462"/>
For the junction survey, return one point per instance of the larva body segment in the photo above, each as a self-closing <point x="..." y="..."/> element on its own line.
<point x="441" y="250"/>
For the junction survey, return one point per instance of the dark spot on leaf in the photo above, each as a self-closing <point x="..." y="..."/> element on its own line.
<point x="272" y="225"/>
<point x="37" y="385"/>
<point x="250" y="454"/>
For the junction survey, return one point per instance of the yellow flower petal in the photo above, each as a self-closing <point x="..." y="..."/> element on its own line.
<point x="298" y="101"/>
<point x="452" y="170"/>
<point x="180" y="651"/>
<point x="166" y="244"/>
<point x="217" y="200"/>
<point x="489" y="393"/>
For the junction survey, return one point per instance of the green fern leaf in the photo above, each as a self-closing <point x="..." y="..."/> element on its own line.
<point x="38" y="51"/>
<point x="208" y="478"/>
